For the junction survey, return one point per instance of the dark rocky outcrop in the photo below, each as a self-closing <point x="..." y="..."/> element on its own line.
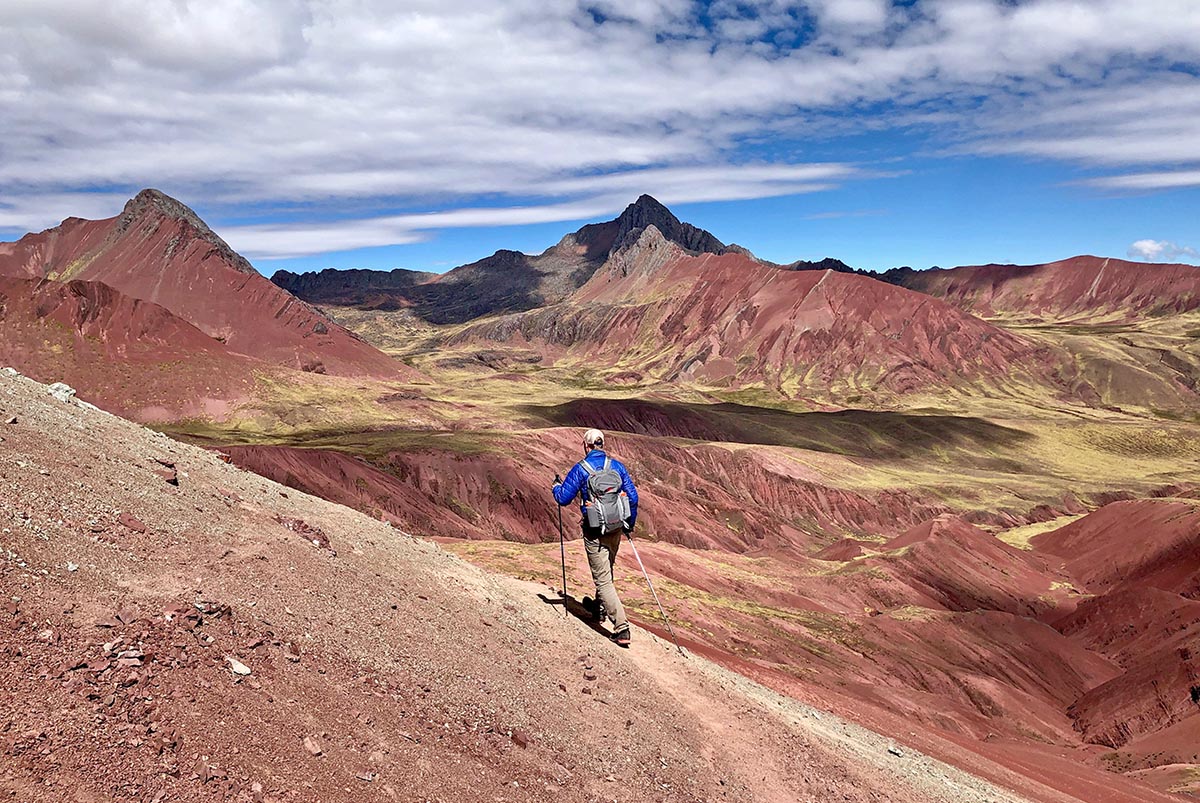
<point x="507" y="281"/>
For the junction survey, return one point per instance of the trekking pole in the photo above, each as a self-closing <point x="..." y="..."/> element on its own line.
<point x="562" y="549"/>
<point x="655" y="593"/>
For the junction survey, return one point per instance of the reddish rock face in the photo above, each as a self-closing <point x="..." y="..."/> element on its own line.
<point x="126" y="354"/>
<point x="1151" y="543"/>
<point x="1140" y="559"/>
<point x="730" y="320"/>
<point x="158" y="250"/>
<point x="698" y="496"/>
<point x="1079" y="288"/>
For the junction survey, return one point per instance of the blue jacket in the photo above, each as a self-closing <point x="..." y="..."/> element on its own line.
<point x="575" y="484"/>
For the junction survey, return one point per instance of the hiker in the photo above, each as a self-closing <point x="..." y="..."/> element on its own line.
<point x="608" y="504"/>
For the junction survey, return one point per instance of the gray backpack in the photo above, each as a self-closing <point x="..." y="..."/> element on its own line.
<point x="606" y="504"/>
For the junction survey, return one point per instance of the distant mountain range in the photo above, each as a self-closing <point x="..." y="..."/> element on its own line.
<point x="659" y="310"/>
<point x="509" y="281"/>
<point x="645" y="296"/>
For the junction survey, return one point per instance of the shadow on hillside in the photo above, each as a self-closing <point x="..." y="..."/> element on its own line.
<point x="576" y="609"/>
<point x="857" y="433"/>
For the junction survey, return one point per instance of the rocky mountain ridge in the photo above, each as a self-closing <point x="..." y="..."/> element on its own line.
<point x="506" y="281"/>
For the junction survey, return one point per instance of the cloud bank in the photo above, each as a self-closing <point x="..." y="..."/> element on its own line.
<point x="352" y="109"/>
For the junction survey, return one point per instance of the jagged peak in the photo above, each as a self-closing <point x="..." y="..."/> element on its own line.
<point x="648" y="211"/>
<point x="157" y="203"/>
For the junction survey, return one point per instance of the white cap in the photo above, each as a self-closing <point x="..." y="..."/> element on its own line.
<point x="593" y="438"/>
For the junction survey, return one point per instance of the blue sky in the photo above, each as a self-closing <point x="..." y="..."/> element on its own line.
<point x="364" y="133"/>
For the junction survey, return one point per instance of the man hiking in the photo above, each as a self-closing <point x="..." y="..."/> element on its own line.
<point x="608" y="504"/>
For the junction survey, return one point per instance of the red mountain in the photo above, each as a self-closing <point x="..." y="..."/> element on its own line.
<point x="158" y="250"/>
<point x="728" y="319"/>
<point x="1082" y="287"/>
<point x="128" y="355"/>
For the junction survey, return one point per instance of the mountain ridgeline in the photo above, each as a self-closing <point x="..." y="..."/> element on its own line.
<point x="506" y="281"/>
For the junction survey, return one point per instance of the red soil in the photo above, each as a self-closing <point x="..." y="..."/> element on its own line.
<point x="158" y="250"/>
<point x="1142" y="560"/>
<point x="845" y="549"/>
<point x="1129" y="623"/>
<point x="130" y="355"/>
<point x="1147" y="543"/>
<point x="215" y="652"/>
<point x="729" y="320"/>
<point x="697" y="495"/>
<point x="1078" y="288"/>
<point x="955" y="566"/>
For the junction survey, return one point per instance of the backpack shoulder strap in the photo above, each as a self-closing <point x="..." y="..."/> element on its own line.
<point x="587" y="467"/>
<point x="607" y="462"/>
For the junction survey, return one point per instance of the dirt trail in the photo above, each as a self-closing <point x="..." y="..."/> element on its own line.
<point x="835" y="751"/>
<point x="175" y="629"/>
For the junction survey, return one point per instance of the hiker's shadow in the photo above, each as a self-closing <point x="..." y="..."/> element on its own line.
<point x="576" y="609"/>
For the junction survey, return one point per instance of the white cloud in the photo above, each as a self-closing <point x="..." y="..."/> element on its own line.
<point x="1160" y="251"/>
<point x="603" y="195"/>
<point x="1157" y="180"/>
<point x="357" y="106"/>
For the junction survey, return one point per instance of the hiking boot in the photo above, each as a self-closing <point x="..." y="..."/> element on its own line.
<point x="621" y="637"/>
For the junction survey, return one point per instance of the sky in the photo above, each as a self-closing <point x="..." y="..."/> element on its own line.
<point x="428" y="134"/>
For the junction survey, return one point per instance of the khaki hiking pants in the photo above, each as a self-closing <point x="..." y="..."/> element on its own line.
<point x="602" y="556"/>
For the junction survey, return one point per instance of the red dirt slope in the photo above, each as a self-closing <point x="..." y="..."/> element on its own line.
<point x="130" y="355"/>
<point x="224" y="638"/>
<point x="1078" y="288"/>
<point x="729" y="320"/>
<point x="956" y="566"/>
<point x="1149" y="543"/>
<point x="1143" y="560"/>
<point x="697" y="495"/>
<point x="158" y="250"/>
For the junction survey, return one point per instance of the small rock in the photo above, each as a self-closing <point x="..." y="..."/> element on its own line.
<point x="241" y="669"/>
<point x="72" y="567"/>
<point x="132" y="522"/>
<point x="589" y="675"/>
<point x="169" y="475"/>
<point x="312" y="746"/>
<point x="520" y="739"/>
<point x="63" y="392"/>
<point x="365" y="776"/>
<point x="12" y="419"/>
<point x="896" y="751"/>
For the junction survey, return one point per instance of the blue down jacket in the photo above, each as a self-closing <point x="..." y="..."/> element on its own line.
<point x="575" y="484"/>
